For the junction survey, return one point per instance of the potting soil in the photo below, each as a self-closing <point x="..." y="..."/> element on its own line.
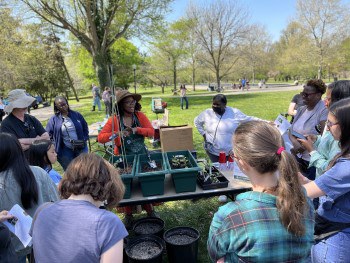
<point x="147" y="228"/>
<point x="180" y="239"/>
<point x="145" y="250"/>
<point x="147" y="168"/>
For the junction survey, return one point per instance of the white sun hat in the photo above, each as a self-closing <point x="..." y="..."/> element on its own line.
<point x="18" y="98"/>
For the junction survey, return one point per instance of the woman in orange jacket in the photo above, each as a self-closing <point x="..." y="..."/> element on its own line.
<point x="130" y="128"/>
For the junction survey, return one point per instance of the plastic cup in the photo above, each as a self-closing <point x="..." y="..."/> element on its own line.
<point x="222" y="157"/>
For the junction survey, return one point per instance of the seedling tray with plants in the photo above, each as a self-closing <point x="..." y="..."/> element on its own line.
<point x="126" y="166"/>
<point x="211" y="180"/>
<point x="151" y="179"/>
<point x="183" y="169"/>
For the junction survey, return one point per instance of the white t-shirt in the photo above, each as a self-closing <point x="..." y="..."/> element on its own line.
<point x="218" y="129"/>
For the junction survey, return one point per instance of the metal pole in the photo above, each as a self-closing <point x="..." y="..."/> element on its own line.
<point x="135" y="79"/>
<point x="329" y="76"/>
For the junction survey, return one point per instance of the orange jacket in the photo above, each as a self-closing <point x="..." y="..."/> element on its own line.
<point x="145" y="130"/>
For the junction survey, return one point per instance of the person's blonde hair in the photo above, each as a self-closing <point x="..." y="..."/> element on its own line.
<point x="91" y="174"/>
<point x="257" y="143"/>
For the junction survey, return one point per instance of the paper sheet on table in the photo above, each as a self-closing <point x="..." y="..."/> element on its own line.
<point x="282" y="124"/>
<point x="22" y="226"/>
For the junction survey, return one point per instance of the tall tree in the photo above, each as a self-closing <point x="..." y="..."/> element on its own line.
<point x="324" y="21"/>
<point x="219" y="28"/>
<point x="171" y="42"/>
<point x="254" y="49"/>
<point x="97" y="24"/>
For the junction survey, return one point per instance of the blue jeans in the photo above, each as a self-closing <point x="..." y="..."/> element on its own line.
<point x="66" y="155"/>
<point x="332" y="249"/>
<point x="97" y="102"/>
<point x="182" y="102"/>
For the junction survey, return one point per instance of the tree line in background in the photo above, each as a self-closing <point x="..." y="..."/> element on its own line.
<point x="70" y="44"/>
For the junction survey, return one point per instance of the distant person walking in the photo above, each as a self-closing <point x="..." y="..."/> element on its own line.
<point x="243" y="83"/>
<point x="183" y="96"/>
<point x="106" y="97"/>
<point x="96" y="97"/>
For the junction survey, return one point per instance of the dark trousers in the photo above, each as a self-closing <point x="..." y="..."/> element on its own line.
<point x="182" y="102"/>
<point x="310" y="173"/>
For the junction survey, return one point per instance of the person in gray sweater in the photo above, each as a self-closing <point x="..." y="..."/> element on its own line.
<point x="27" y="186"/>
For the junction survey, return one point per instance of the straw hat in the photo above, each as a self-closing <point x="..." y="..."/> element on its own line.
<point x="17" y="98"/>
<point x="122" y="94"/>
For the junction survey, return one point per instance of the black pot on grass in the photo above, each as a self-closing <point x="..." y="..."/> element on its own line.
<point x="145" y="249"/>
<point x="149" y="226"/>
<point x="181" y="244"/>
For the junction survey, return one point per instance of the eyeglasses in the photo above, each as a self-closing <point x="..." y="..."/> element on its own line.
<point x="306" y="95"/>
<point x="130" y="102"/>
<point x="61" y="105"/>
<point x="330" y="124"/>
<point x="232" y="155"/>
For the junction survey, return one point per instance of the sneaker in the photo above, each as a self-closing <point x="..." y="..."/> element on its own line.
<point x="128" y="221"/>
<point x="222" y="198"/>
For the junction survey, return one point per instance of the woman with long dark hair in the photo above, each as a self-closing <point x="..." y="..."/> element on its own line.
<point x="275" y="221"/>
<point x="69" y="132"/>
<point x="332" y="228"/>
<point x="27" y="186"/>
<point x="42" y="153"/>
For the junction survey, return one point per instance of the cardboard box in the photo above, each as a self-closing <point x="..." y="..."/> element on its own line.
<point x="175" y="138"/>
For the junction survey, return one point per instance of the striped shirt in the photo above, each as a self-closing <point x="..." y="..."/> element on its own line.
<point x="249" y="230"/>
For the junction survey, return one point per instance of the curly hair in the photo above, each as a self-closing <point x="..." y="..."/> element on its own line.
<point x="92" y="175"/>
<point x="318" y="85"/>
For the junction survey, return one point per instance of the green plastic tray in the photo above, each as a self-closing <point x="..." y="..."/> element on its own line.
<point x="184" y="179"/>
<point x="126" y="178"/>
<point x="152" y="182"/>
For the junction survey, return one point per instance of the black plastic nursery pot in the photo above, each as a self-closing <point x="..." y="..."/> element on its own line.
<point x="145" y="249"/>
<point x="181" y="244"/>
<point x="149" y="226"/>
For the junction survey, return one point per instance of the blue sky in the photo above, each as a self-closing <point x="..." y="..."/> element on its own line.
<point x="274" y="14"/>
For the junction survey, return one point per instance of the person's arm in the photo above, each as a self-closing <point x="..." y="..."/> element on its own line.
<point x="26" y="142"/>
<point x="291" y="109"/>
<point x="312" y="190"/>
<point x="147" y="129"/>
<point x="106" y="132"/>
<point x="199" y="122"/>
<point x="114" y="254"/>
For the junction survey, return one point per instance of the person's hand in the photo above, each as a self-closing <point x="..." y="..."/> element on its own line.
<point x="128" y="131"/>
<point x="302" y="179"/>
<point x="312" y="138"/>
<point x="307" y="144"/>
<point x="221" y="260"/>
<point x="4" y="215"/>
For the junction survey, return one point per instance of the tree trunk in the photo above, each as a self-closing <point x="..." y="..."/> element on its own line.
<point x="194" y="78"/>
<point x="218" y="77"/>
<point x="174" y="75"/>
<point x="101" y="63"/>
<point x="64" y="66"/>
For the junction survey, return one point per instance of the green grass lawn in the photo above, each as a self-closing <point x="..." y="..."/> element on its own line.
<point x="187" y="213"/>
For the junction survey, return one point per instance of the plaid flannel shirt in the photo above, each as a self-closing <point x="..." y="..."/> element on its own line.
<point x="249" y="230"/>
